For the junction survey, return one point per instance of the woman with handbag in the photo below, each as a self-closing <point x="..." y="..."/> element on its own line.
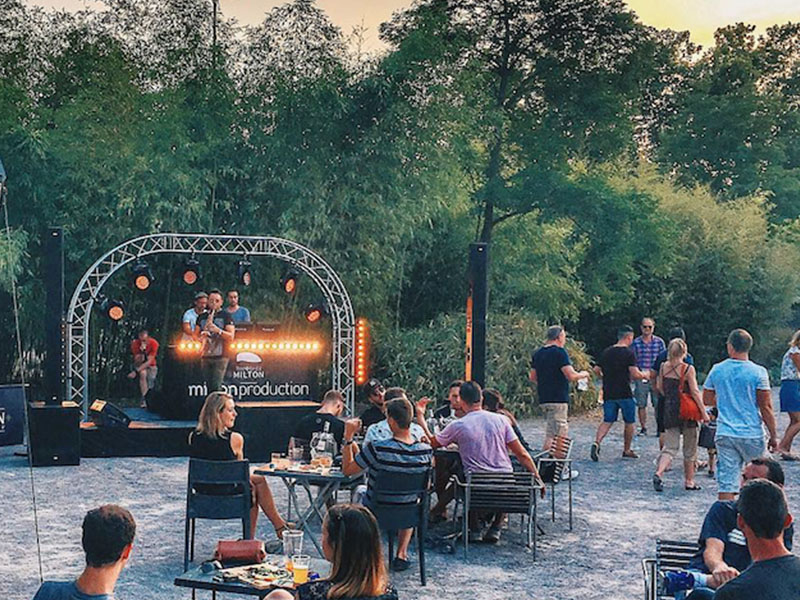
<point x="790" y="396"/>
<point x="683" y="409"/>
<point x="214" y="440"/>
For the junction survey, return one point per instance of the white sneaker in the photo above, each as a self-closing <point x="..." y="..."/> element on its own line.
<point x="571" y="474"/>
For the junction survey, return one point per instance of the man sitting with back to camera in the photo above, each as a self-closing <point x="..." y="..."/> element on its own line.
<point x="329" y="412"/>
<point x="107" y="540"/>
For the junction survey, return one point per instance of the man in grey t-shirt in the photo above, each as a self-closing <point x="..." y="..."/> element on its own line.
<point x="107" y="540"/>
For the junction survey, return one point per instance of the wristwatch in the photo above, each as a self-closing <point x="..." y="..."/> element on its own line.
<point x="347" y="442"/>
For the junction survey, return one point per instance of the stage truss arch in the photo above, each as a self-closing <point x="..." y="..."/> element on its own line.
<point x="299" y="256"/>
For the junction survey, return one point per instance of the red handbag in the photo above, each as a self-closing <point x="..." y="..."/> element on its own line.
<point x="689" y="410"/>
<point x="240" y="551"/>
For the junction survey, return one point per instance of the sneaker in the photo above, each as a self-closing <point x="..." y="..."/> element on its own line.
<point x="642" y="431"/>
<point x="658" y="485"/>
<point x="400" y="564"/>
<point x="595" y="452"/>
<point x="474" y="536"/>
<point x="492" y="535"/>
<point x="571" y="474"/>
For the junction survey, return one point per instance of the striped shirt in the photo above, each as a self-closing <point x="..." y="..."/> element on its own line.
<point x="393" y="455"/>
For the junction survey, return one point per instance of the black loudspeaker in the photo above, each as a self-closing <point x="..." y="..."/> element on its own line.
<point x="105" y="414"/>
<point x="54" y="434"/>
<point x="12" y="415"/>
<point x="54" y="315"/>
<point x="477" y="305"/>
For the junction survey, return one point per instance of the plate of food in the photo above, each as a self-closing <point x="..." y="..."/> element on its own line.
<point x="262" y="576"/>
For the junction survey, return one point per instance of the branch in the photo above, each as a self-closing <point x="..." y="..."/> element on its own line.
<point x="508" y="215"/>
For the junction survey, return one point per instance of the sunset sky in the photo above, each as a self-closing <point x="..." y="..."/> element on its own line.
<point x="701" y="17"/>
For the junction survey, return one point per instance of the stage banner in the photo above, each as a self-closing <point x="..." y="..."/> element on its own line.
<point x="12" y="415"/>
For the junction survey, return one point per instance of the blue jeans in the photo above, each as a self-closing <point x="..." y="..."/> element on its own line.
<point x="733" y="453"/>
<point x="611" y="409"/>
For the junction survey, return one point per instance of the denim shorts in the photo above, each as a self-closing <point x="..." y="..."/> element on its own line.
<point x="611" y="410"/>
<point x="790" y="395"/>
<point x="733" y="453"/>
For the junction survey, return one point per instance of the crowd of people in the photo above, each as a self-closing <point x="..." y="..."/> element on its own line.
<point x="745" y="543"/>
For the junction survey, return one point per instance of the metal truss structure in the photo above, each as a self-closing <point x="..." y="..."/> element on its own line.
<point x="305" y="260"/>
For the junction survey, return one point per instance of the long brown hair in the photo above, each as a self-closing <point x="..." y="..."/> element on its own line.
<point x="355" y="539"/>
<point x="209" y="423"/>
<point x="493" y="402"/>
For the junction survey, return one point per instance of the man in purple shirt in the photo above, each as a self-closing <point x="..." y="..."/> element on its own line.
<point x="646" y="349"/>
<point x="484" y="440"/>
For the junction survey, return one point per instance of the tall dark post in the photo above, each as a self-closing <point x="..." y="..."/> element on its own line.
<point x="54" y="315"/>
<point x="477" y="305"/>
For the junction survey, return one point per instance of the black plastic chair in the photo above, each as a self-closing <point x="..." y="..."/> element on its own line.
<point x="389" y="504"/>
<point x="217" y="490"/>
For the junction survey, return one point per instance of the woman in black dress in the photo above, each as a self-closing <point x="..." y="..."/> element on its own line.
<point x="351" y="542"/>
<point x="214" y="440"/>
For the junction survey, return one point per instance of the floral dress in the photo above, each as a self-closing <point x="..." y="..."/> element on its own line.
<point x="318" y="590"/>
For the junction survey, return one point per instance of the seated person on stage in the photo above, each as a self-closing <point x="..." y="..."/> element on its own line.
<point x="214" y="440"/>
<point x="452" y="408"/>
<point x="189" y="321"/>
<point x="493" y="402"/>
<point x="239" y="314"/>
<point x="107" y="540"/>
<point x="775" y="572"/>
<point x="381" y="430"/>
<point x="144" y="349"/>
<point x="330" y="411"/>
<point x="723" y="552"/>
<point x="484" y="440"/>
<point x="374" y="391"/>
<point x="401" y="453"/>
<point x="351" y="542"/>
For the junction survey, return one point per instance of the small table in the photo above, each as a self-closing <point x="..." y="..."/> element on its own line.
<point x="197" y="580"/>
<point x="328" y="485"/>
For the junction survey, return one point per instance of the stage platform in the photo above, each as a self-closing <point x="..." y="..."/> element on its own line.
<point x="265" y="425"/>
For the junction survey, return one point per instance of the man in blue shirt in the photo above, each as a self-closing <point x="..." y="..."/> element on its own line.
<point x="107" y="540"/>
<point x="740" y="390"/>
<point x="239" y="314"/>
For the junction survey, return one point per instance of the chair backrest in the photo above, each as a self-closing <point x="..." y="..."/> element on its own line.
<point x="560" y="448"/>
<point x="218" y="489"/>
<point x="674" y="555"/>
<point x="501" y="492"/>
<point x="399" y="499"/>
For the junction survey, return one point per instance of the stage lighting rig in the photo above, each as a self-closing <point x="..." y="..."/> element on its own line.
<point x="191" y="271"/>
<point x="361" y="362"/>
<point x="289" y="281"/>
<point x="113" y="309"/>
<point x="243" y="275"/>
<point x="316" y="310"/>
<point x="142" y="275"/>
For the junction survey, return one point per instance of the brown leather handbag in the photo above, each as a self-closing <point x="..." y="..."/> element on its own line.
<point x="240" y="551"/>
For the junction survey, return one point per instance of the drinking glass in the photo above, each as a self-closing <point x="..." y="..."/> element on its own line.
<point x="300" y="562"/>
<point x="292" y="544"/>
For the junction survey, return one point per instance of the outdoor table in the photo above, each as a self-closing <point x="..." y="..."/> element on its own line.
<point x="328" y="485"/>
<point x="196" y="579"/>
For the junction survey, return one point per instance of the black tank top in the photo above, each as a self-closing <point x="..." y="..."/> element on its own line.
<point x="211" y="448"/>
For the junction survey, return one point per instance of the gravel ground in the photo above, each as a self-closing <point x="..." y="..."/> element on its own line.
<point x="617" y="519"/>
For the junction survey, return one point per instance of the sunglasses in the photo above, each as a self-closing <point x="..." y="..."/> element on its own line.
<point x="647" y="326"/>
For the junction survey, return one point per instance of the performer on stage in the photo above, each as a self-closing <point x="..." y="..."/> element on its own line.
<point x="189" y="323"/>
<point x="144" y="349"/>
<point x="215" y="329"/>
<point x="239" y="314"/>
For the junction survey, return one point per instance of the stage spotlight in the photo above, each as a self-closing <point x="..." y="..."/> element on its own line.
<point x="289" y="281"/>
<point x="191" y="271"/>
<point x="113" y="309"/>
<point x="315" y="311"/>
<point x="243" y="272"/>
<point x="142" y="276"/>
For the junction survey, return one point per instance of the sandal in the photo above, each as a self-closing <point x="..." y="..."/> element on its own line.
<point x="692" y="488"/>
<point x="789" y="456"/>
<point x="658" y="484"/>
<point x="630" y="454"/>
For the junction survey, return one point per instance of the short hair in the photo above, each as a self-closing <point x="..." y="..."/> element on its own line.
<point x="762" y="506"/>
<point x="740" y="340"/>
<point x="774" y="469"/>
<point x="470" y="392"/>
<point x="394" y="392"/>
<point x="215" y="291"/>
<point x="142" y="330"/>
<point x="107" y="530"/>
<point x="623" y="331"/>
<point x="553" y="332"/>
<point x="332" y="396"/>
<point x="492" y="400"/>
<point x="401" y="411"/>
<point x="647" y="319"/>
<point x="455" y="383"/>
<point x="677" y="332"/>
<point x="231" y="290"/>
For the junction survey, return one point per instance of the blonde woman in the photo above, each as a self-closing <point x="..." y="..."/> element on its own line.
<point x="351" y="542"/>
<point x="673" y="372"/>
<point x="214" y="440"/>
<point x="790" y="396"/>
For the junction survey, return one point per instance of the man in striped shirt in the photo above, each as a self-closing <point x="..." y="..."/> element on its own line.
<point x="400" y="453"/>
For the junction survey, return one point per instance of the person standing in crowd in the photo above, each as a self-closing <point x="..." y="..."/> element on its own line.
<point x="214" y="440"/>
<point x="382" y="430"/>
<point x="790" y="396"/>
<point x="740" y="390"/>
<point x="107" y="541"/>
<point x="374" y="392"/>
<point x="484" y="440"/>
<point x="451" y="409"/>
<point x="552" y="372"/>
<point x="775" y="572"/>
<point x="674" y="333"/>
<point x="401" y="453"/>
<point x="646" y="348"/>
<point x="144" y="350"/>
<point x="676" y="377"/>
<point x="617" y="367"/>
<point x="239" y="314"/>
<point x="215" y="329"/>
<point x="329" y="412"/>
<point x="189" y="321"/>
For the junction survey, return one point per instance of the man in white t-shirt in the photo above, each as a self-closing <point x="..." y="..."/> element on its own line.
<point x="189" y="321"/>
